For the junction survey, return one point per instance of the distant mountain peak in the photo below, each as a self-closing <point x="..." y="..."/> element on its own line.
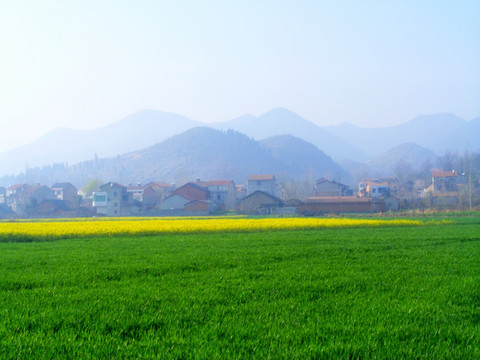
<point x="440" y="119"/>
<point x="280" y="109"/>
<point x="413" y="154"/>
<point x="281" y="112"/>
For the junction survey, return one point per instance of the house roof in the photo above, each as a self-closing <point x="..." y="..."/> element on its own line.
<point x="17" y="186"/>
<point x="258" y="192"/>
<point x="112" y="184"/>
<point x="439" y="174"/>
<point x="38" y="187"/>
<point x="261" y="177"/>
<point x="196" y="205"/>
<point x="214" y="183"/>
<point x="323" y="180"/>
<point x="53" y="204"/>
<point x="445" y="194"/>
<point x="379" y="180"/>
<point x="62" y="185"/>
<point x="378" y="184"/>
<point x="367" y="180"/>
<point x="186" y="197"/>
<point x="158" y="184"/>
<point x="192" y="191"/>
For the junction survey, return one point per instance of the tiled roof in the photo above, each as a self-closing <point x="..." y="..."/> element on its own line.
<point x="186" y="197"/>
<point x="261" y="177"/>
<point x="338" y="199"/>
<point x="196" y="205"/>
<point x="438" y="174"/>
<point x="16" y="186"/>
<point x="111" y="184"/>
<point x="322" y="180"/>
<point x="260" y="193"/>
<point x="192" y="191"/>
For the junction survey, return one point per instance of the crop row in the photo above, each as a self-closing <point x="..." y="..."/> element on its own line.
<point x="31" y="231"/>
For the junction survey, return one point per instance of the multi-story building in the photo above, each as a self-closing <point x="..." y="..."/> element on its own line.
<point x="112" y="200"/>
<point x="266" y="183"/>
<point x="444" y="181"/>
<point x="326" y="188"/>
<point x="223" y="193"/>
<point x="66" y="192"/>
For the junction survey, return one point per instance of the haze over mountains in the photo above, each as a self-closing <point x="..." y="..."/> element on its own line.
<point x="137" y="131"/>
<point x="439" y="133"/>
<point x="202" y="152"/>
<point x="131" y="141"/>
<point x="281" y="121"/>
<point x="409" y="155"/>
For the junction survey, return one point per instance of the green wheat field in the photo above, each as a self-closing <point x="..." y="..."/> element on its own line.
<point x="362" y="293"/>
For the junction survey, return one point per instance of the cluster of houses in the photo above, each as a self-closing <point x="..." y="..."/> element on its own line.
<point x="261" y="195"/>
<point x="40" y="201"/>
<point x="195" y="198"/>
<point x="448" y="189"/>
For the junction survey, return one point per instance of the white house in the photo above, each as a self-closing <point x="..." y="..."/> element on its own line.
<point x="266" y="183"/>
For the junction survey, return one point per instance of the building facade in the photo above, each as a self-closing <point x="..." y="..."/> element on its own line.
<point x="266" y="183"/>
<point x="111" y="200"/>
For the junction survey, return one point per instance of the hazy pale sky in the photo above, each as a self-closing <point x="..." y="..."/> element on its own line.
<point x="85" y="64"/>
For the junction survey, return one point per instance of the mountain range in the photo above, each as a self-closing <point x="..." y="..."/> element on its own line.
<point x="281" y="121"/>
<point x="439" y="133"/>
<point x="409" y="156"/>
<point x="137" y="131"/>
<point x="354" y="146"/>
<point x="200" y="152"/>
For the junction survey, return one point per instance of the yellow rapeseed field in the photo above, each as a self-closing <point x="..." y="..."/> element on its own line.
<point x="141" y="226"/>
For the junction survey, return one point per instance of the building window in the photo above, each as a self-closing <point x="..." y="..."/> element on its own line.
<point x="99" y="198"/>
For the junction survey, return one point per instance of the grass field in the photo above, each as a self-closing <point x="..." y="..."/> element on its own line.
<point x="363" y="292"/>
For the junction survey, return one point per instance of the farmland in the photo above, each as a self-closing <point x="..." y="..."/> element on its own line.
<point x="398" y="289"/>
<point x="108" y="227"/>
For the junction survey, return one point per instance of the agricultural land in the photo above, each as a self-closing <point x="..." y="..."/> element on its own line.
<point x="220" y="288"/>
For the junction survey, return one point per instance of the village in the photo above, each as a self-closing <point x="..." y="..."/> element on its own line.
<point x="262" y="195"/>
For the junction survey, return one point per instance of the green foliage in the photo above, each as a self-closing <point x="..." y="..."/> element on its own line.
<point x="92" y="186"/>
<point x="345" y="293"/>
